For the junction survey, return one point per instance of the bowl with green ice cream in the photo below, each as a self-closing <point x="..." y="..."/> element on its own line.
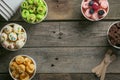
<point x="34" y="11"/>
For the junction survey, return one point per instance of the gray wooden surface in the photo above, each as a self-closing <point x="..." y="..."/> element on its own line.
<point x="65" y="42"/>
<point x="69" y="59"/>
<point x="65" y="77"/>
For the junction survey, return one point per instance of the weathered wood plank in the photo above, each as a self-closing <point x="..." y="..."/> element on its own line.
<point x="62" y="60"/>
<point x="65" y="77"/>
<point x="79" y="33"/>
<point x="70" y="10"/>
<point x="76" y="77"/>
<point x="5" y="77"/>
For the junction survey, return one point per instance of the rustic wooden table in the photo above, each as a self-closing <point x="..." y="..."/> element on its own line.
<point x="65" y="46"/>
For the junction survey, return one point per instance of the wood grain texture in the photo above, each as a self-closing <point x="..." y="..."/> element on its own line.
<point x="70" y="10"/>
<point x="62" y="60"/>
<point x="65" y="77"/>
<point x="73" y="45"/>
<point x="79" y="33"/>
<point x="5" y="77"/>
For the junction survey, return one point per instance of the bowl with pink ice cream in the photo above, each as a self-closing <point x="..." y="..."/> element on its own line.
<point x="95" y="10"/>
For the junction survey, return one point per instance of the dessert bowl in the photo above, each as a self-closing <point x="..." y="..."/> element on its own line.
<point x="22" y="67"/>
<point x="34" y="11"/>
<point x="94" y="10"/>
<point x="13" y="36"/>
<point x="113" y="35"/>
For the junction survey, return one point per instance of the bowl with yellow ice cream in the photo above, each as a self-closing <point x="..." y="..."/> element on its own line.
<point x="22" y="67"/>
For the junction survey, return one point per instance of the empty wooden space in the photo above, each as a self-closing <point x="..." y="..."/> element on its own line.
<point x="69" y="60"/>
<point x="65" y="77"/>
<point x="65" y="45"/>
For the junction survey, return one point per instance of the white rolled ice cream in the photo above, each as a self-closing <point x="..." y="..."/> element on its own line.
<point x="13" y="37"/>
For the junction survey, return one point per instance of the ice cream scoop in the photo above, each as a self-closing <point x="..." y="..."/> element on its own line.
<point x="13" y="36"/>
<point x="85" y="5"/>
<point x="95" y="16"/>
<point x="4" y="37"/>
<point x="22" y="36"/>
<point x="11" y="45"/>
<point x="8" y="29"/>
<point x="17" y="29"/>
<point x="19" y="43"/>
<point x="104" y="4"/>
<point x="24" y="76"/>
<point x="6" y="44"/>
<point x="87" y="13"/>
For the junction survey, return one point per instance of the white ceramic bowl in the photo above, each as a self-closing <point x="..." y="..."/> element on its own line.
<point x="92" y="19"/>
<point x="2" y="31"/>
<point x="41" y="19"/>
<point x="23" y="56"/>
<point x="108" y="36"/>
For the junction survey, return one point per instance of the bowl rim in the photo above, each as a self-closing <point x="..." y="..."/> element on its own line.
<point x="41" y="19"/>
<point x="2" y="31"/>
<point x="27" y="57"/>
<point x="108" y="35"/>
<point x="92" y="19"/>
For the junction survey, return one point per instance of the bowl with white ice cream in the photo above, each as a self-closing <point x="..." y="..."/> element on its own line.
<point x="13" y="36"/>
<point x="95" y="10"/>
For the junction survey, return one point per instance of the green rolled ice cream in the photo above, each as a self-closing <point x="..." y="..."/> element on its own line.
<point x="25" y="13"/>
<point x="41" y="10"/>
<point x="33" y="10"/>
<point x="31" y="18"/>
<point x="24" y="5"/>
<point x="30" y="1"/>
<point x="38" y="16"/>
<point x="41" y="2"/>
<point x="36" y="2"/>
